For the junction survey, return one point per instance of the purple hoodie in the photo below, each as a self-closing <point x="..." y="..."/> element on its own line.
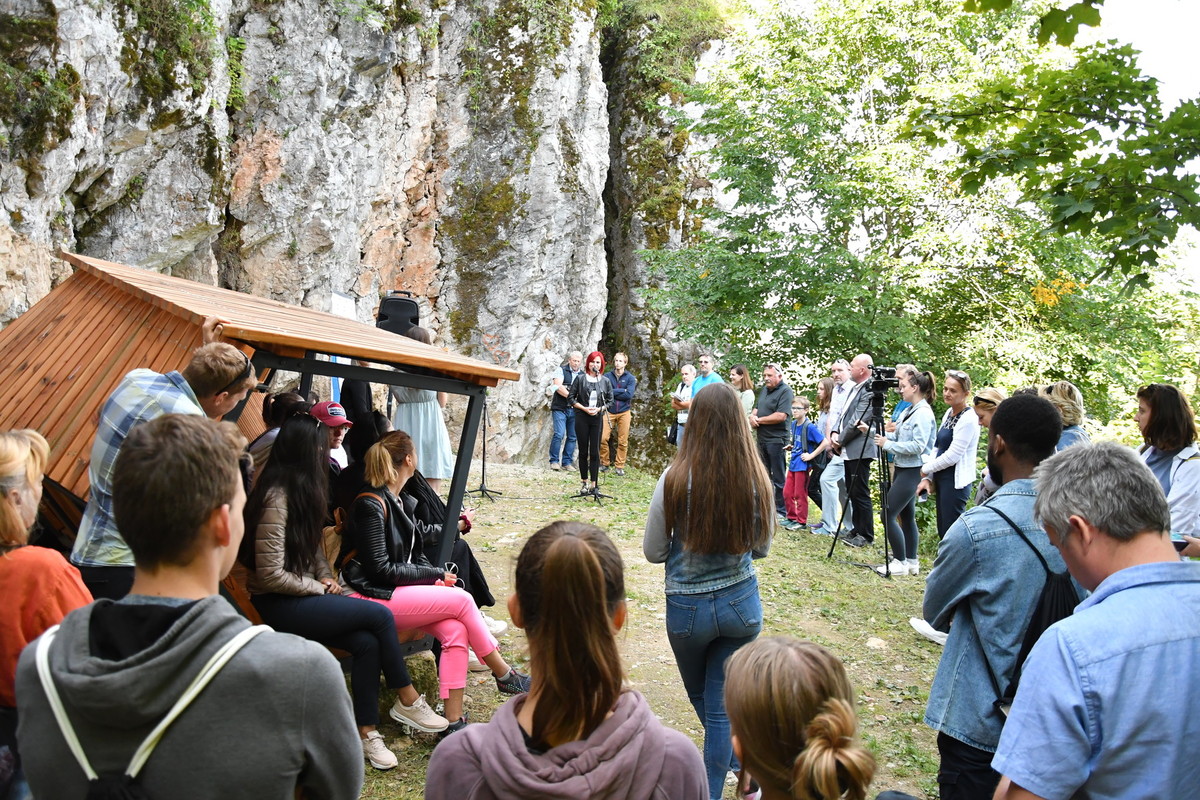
<point x="631" y="755"/>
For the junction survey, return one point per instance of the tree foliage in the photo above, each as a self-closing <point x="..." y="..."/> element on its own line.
<point x="1089" y="142"/>
<point x="843" y="233"/>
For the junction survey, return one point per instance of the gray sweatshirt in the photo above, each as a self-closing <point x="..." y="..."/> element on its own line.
<point x="631" y="755"/>
<point x="277" y="715"/>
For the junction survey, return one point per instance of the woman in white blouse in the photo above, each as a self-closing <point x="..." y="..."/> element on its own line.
<point x="950" y="472"/>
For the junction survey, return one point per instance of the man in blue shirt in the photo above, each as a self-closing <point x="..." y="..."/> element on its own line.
<point x="561" y="414"/>
<point x="624" y="384"/>
<point x="217" y="378"/>
<point x="983" y="589"/>
<point x="1109" y="705"/>
<point x="706" y="375"/>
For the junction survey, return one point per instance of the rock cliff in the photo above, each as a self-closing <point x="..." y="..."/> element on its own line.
<point x="298" y="149"/>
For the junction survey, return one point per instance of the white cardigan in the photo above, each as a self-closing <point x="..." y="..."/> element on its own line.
<point x="1184" y="497"/>
<point x="961" y="452"/>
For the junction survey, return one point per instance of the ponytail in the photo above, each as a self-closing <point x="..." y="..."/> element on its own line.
<point x="791" y="706"/>
<point x="570" y="583"/>
<point x="832" y="764"/>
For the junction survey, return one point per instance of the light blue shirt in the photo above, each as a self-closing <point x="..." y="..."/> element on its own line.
<point x="700" y="381"/>
<point x="1109" y="703"/>
<point x="987" y="582"/>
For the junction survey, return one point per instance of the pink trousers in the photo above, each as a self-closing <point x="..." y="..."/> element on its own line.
<point x="450" y="615"/>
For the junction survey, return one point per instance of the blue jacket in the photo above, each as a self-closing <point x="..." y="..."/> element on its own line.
<point x="623" y="389"/>
<point x="810" y="432"/>
<point x="914" y="436"/>
<point x="695" y="573"/>
<point x="985" y="581"/>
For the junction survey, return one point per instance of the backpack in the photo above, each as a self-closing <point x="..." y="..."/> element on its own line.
<point x="1057" y="601"/>
<point x="126" y="787"/>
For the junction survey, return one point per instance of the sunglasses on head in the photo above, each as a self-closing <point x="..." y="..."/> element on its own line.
<point x="984" y="401"/>
<point x="244" y="376"/>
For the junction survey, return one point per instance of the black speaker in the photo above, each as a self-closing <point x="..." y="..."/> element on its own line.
<point x="398" y="312"/>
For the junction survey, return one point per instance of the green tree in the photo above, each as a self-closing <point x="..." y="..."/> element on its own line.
<point x="845" y="233"/>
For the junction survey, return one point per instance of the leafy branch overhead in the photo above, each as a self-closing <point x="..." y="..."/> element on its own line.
<point x="1089" y="142"/>
<point x="1060" y="24"/>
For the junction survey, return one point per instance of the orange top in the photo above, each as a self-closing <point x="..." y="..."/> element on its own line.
<point x="40" y="588"/>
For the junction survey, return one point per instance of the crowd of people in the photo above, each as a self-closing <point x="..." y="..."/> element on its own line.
<point x="106" y="659"/>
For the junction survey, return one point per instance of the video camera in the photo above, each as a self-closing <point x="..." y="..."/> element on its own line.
<point x="882" y="379"/>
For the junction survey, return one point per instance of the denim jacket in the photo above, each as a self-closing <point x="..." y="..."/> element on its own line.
<point x="914" y="435"/>
<point x="986" y="581"/>
<point x="694" y="573"/>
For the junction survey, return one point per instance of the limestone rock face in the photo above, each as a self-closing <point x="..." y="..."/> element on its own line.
<point x="302" y="150"/>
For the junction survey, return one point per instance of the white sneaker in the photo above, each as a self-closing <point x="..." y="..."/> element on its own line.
<point x="928" y="631"/>
<point x="895" y="567"/>
<point x="914" y="567"/>
<point x="494" y="626"/>
<point x="419" y="715"/>
<point x="474" y="664"/>
<point x="377" y="752"/>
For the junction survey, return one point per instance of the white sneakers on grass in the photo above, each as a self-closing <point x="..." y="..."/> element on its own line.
<point x="419" y="715"/>
<point x="377" y="752"/>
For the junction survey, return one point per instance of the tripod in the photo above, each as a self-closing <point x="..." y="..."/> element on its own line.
<point x="483" y="490"/>
<point x="875" y="427"/>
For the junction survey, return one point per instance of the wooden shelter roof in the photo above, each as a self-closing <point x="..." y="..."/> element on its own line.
<point x="60" y="360"/>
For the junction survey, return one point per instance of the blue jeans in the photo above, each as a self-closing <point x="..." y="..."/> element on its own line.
<point x="564" y="426"/>
<point x="704" y="630"/>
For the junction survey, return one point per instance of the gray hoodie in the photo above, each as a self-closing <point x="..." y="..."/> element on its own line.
<point x="276" y="716"/>
<point x="631" y="755"/>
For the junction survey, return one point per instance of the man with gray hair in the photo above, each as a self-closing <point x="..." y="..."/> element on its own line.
<point x="1108" y="700"/>
<point x="561" y="414"/>
<point x="833" y="483"/>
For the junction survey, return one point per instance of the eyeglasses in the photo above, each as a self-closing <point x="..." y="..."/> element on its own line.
<point x="241" y="378"/>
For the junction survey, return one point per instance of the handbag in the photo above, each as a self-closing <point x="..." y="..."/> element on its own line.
<point x="673" y="433"/>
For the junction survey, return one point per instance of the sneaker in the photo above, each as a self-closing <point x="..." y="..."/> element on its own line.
<point x="820" y="530"/>
<point x="474" y="664"/>
<point x="790" y="524"/>
<point x="604" y="467"/>
<point x="495" y="626"/>
<point x="895" y="567"/>
<point x="419" y="715"/>
<point x="928" y="631"/>
<point x="554" y="466"/>
<point x="455" y="726"/>
<point x="620" y="472"/>
<point x="513" y="683"/>
<point x="855" y="541"/>
<point x="914" y="567"/>
<point x="583" y="488"/>
<point x="377" y="752"/>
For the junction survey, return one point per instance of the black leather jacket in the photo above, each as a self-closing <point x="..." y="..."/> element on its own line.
<point x="389" y="545"/>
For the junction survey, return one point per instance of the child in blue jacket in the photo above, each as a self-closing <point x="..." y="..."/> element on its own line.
<point x="805" y="438"/>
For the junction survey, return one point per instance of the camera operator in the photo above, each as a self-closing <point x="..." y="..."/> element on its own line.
<point x="857" y="447"/>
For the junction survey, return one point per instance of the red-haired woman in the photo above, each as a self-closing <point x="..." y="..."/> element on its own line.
<point x="590" y="395"/>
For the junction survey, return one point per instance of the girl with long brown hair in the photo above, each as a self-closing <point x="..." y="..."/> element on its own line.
<point x="579" y="732"/>
<point x="712" y="512"/>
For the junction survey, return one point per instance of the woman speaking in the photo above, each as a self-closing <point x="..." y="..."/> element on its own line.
<point x="590" y="395"/>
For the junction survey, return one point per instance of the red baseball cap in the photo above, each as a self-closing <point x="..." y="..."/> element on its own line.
<point x="331" y="413"/>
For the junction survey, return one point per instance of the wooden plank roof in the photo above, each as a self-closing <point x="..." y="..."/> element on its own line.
<point x="61" y="359"/>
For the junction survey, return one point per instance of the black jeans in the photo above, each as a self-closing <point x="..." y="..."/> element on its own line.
<point x="366" y="630"/>
<point x="966" y="772"/>
<point x="771" y="453"/>
<point x="587" y="436"/>
<point x="858" y="488"/>
<point x="110" y="582"/>
<point x="902" y="503"/>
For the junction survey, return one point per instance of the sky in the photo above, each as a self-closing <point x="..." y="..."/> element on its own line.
<point x="1165" y="31"/>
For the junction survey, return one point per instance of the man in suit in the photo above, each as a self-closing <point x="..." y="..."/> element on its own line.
<point x="857" y="447"/>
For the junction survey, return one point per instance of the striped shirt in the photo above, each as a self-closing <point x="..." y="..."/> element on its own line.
<point x="141" y="395"/>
